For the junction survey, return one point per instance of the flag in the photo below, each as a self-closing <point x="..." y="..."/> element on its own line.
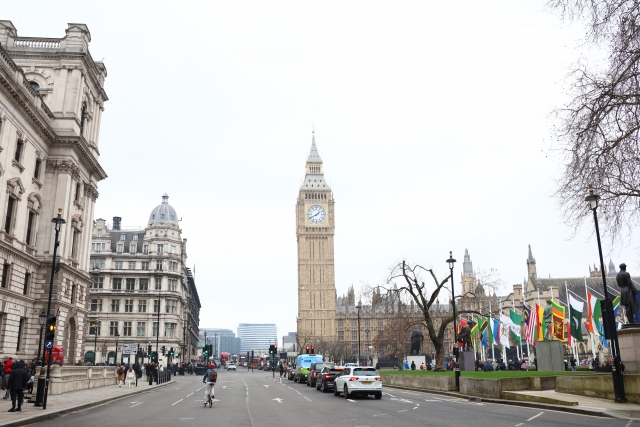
<point x="616" y="306"/>
<point x="514" y="333"/>
<point x="505" y="330"/>
<point x="474" y="332"/>
<point x="603" y="341"/>
<point x="496" y="332"/>
<point x="557" y="316"/>
<point x="569" y="336"/>
<point x="593" y="317"/>
<point x="540" y="327"/>
<point x="482" y="325"/>
<point x="489" y="331"/>
<point x="532" y="325"/>
<point x="575" y="318"/>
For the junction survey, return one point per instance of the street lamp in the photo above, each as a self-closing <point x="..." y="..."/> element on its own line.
<point x="117" y="335"/>
<point x="95" y="342"/>
<point x="42" y="317"/>
<point x="452" y="263"/>
<point x="359" y="307"/>
<point x="205" y="346"/>
<point x="41" y="398"/>
<point x="158" y="330"/>
<point x="608" y="319"/>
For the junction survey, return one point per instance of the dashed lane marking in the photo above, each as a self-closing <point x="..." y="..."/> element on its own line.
<point x="139" y="403"/>
<point x="404" y="410"/>
<point x="415" y="407"/>
<point x="379" y="415"/>
<point x="307" y="398"/>
<point x="518" y="425"/>
<point x="177" y="402"/>
<point x="535" y="416"/>
<point x="189" y="395"/>
<point x="351" y="400"/>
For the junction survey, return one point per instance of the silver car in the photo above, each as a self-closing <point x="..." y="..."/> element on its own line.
<point x="362" y="380"/>
<point x="231" y="366"/>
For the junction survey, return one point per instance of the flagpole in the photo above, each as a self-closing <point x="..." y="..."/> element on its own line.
<point x="504" y="348"/>
<point x="491" y="326"/>
<point x="513" y="305"/>
<point x="573" y="339"/>
<point x="586" y="297"/>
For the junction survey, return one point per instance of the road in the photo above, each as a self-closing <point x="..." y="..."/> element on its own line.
<point x="256" y="400"/>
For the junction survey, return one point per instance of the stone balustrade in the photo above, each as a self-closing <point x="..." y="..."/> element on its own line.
<point x="37" y="43"/>
<point x="71" y="378"/>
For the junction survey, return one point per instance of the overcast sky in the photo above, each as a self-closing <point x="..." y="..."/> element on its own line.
<point x="432" y="119"/>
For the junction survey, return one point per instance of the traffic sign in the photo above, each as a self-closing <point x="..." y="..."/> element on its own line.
<point x="48" y="344"/>
<point x="129" y="348"/>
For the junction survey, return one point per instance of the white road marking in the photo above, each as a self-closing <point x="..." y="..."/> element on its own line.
<point x="379" y="415"/>
<point x="190" y="394"/>
<point x="518" y="425"/>
<point x="139" y="403"/>
<point x="307" y="398"/>
<point x="535" y="416"/>
<point x="404" y="410"/>
<point x="278" y="399"/>
<point x="176" y="402"/>
<point x="415" y="407"/>
<point x="178" y="388"/>
<point x="265" y="386"/>
<point x="351" y="400"/>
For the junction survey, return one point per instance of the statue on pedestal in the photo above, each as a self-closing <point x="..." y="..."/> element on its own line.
<point x="465" y="336"/>
<point x="627" y="294"/>
<point x="417" y="338"/>
<point x="547" y="320"/>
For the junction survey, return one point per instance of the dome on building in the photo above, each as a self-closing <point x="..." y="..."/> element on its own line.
<point x="164" y="212"/>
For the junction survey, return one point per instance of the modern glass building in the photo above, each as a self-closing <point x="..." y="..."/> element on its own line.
<point x="257" y="336"/>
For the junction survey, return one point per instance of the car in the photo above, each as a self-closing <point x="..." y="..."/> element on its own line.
<point x="349" y="365"/>
<point x="231" y="366"/>
<point x="303" y="362"/>
<point x="327" y="377"/>
<point x="314" y="371"/>
<point x="360" y="380"/>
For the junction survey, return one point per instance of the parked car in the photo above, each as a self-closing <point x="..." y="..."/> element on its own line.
<point x="348" y="365"/>
<point x="327" y="377"/>
<point x="362" y="380"/>
<point x="231" y="367"/>
<point x="314" y="371"/>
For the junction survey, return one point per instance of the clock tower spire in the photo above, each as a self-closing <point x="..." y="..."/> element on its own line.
<point x="315" y="229"/>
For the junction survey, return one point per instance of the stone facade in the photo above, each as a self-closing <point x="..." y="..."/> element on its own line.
<point x="315" y="229"/>
<point x="51" y="101"/>
<point x="136" y="275"/>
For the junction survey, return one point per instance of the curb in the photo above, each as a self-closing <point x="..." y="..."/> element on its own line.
<point x="59" y="412"/>
<point x="547" y="406"/>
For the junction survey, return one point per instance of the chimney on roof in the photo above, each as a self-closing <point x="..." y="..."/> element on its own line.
<point x="116" y="222"/>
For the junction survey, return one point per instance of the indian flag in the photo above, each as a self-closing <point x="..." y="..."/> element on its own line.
<point x="593" y="318"/>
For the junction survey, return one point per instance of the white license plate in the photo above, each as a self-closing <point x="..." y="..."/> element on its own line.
<point x="367" y="382"/>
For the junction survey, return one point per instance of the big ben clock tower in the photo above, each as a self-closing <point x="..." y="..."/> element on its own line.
<point x="315" y="229"/>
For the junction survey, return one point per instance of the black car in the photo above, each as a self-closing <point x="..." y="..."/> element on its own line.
<point x="326" y="379"/>
<point x="314" y="371"/>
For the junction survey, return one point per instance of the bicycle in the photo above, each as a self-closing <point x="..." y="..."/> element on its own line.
<point x="209" y="401"/>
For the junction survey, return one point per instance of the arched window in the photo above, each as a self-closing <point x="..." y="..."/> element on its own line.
<point x="89" y="357"/>
<point x="35" y="86"/>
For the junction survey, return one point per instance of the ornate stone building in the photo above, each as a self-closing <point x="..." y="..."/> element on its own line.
<point x="315" y="228"/>
<point x="141" y="287"/>
<point x="51" y="101"/>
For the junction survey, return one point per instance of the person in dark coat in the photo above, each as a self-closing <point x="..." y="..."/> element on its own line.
<point x="17" y="382"/>
<point x="627" y="293"/>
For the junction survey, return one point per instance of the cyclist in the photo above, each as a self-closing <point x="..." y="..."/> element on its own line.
<point x="208" y="390"/>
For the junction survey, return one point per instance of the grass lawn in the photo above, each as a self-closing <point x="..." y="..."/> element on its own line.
<point x="493" y="374"/>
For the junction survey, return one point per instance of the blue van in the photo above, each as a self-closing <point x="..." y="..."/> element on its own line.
<point x="303" y="362"/>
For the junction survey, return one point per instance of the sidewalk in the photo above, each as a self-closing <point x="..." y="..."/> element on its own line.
<point x="73" y="401"/>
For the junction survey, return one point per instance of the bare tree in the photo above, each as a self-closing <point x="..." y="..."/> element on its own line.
<point x="490" y="281"/>
<point x="420" y="294"/>
<point x="395" y="338"/>
<point x="598" y="131"/>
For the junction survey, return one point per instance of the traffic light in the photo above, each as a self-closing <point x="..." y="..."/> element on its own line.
<point x="154" y="356"/>
<point x="171" y="352"/>
<point x="163" y="349"/>
<point x="271" y="350"/>
<point x="308" y="350"/>
<point x="205" y="351"/>
<point x="313" y="350"/>
<point x="149" y="349"/>
<point x="51" y="331"/>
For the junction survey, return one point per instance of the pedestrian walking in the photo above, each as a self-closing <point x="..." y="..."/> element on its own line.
<point x="120" y="371"/>
<point x="130" y="377"/>
<point x="572" y="362"/>
<point x="17" y="382"/>
<point x="7" y="371"/>
<point x="406" y="365"/>
<point x="413" y="365"/>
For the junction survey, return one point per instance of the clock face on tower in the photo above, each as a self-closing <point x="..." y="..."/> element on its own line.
<point x="316" y="214"/>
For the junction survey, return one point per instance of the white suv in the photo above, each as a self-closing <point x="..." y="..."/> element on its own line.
<point x="363" y="380"/>
<point x="231" y="366"/>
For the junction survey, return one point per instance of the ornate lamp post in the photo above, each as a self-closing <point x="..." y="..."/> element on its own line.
<point x="158" y="330"/>
<point x="41" y="396"/>
<point x="608" y="320"/>
<point x="451" y="263"/>
<point x="95" y="342"/>
<point x="359" y="307"/>
<point x="117" y="335"/>
<point x="42" y="317"/>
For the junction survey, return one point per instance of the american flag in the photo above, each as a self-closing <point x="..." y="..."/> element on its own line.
<point x="531" y="320"/>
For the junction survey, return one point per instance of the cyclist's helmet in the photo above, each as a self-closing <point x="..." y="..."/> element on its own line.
<point x="212" y="366"/>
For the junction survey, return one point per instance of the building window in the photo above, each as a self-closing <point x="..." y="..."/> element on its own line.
<point x="21" y="334"/>
<point x="113" y="328"/>
<point x="119" y="248"/>
<point x="145" y="265"/>
<point x="169" y="329"/>
<point x="141" y="330"/>
<point x="128" y="306"/>
<point x="367" y="336"/>
<point x="132" y="265"/>
<point x="156" y="305"/>
<point x="115" y="305"/>
<point x="96" y="263"/>
<point x="145" y="249"/>
<point x="94" y="328"/>
<point x="6" y="270"/>
<point x="160" y="249"/>
<point x="118" y="265"/>
<point x="77" y="196"/>
<point x="144" y="284"/>
<point x="123" y="237"/>
<point x="158" y="264"/>
<point x="126" y="329"/>
<point x="158" y="283"/>
<point x="27" y="279"/>
<point x="74" y="244"/>
<point x="36" y="171"/>
<point x="73" y="294"/>
<point x="354" y="323"/>
<point x="380" y="323"/>
<point x="173" y="249"/>
<point x="130" y="284"/>
<point x="354" y="336"/>
<point x="173" y="284"/>
<point x="99" y="233"/>
<point x="31" y="223"/>
<point x="340" y="335"/>
<point x="11" y="208"/>
<point x="17" y="156"/>
<point x="366" y="322"/>
<point x="133" y="248"/>
<point x="170" y="307"/>
<point x="142" y="306"/>
<point x="340" y="323"/>
<point x="135" y="237"/>
<point x="155" y="329"/>
<point x="116" y="284"/>
<point x="96" y="304"/>
<point x="98" y="283"/>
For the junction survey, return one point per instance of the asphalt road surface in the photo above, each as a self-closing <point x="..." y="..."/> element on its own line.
<point x="255" y="400"/>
